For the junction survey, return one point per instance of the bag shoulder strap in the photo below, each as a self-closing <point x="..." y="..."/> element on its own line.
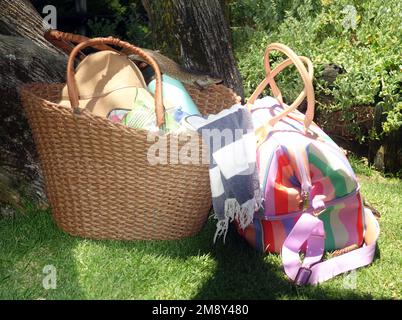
<point x="312" y="270"/>
<point x="306" y="75"/>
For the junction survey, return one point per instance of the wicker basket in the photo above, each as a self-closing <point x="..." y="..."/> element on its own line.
<point x="97" y="177"/>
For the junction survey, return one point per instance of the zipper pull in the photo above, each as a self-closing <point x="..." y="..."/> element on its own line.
<point x="305" y="200"/>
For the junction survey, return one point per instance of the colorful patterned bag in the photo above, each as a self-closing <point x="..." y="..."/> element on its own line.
<point x="311" y="195"/>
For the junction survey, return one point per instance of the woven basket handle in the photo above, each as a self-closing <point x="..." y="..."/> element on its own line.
<point x="67" y="41"/>
<point x="307" y="77"/>
<point x="72" y="86"/>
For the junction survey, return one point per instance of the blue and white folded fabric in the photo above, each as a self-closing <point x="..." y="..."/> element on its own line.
<point x="233" y="174"/>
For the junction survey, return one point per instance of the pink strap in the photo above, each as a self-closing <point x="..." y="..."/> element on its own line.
<point x="310" y="229"/>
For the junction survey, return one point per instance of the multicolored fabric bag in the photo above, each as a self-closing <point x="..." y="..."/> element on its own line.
<point x="312" y="202"/>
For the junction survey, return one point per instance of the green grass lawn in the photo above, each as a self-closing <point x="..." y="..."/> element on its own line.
<point x="192" y="268"/>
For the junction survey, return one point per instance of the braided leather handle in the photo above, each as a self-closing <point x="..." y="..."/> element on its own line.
<point x="101" y="42"/>
<point x="307" y="77"/>
<point x="67" y="41"/>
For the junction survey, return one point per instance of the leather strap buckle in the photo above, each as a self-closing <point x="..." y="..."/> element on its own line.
<point x="303" y="276"/>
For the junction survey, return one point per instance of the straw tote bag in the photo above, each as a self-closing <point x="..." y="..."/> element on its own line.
<point x="98" y="179"/>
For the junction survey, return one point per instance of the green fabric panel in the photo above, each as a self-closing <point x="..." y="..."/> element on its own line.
<point x="338" y="181"/>
<point x="329" y="236"/>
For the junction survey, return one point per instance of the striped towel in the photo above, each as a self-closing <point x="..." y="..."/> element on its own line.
<point x="232" y="165"/>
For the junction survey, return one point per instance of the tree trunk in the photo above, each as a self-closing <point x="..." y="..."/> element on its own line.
<point x="25" y="56"/>
<point x="197" y="31"/>
<point x="19" y="18"/>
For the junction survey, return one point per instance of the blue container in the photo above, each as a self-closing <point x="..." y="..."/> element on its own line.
<point x="175" y="95"/>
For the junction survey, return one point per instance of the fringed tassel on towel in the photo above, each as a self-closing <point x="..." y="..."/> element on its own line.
<point x="244" y="214"/>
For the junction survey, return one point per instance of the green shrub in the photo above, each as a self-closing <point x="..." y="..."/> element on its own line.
<point x="368" y="47"/>
<point x="126" y="22"/>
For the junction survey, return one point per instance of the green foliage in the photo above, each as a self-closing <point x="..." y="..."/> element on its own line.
<point x="367" y="46"/>
<point x="125" y="19"/>
<point x="361" y="166"/>
<point x="248" y="15"/>
<point x="126" y="22"/>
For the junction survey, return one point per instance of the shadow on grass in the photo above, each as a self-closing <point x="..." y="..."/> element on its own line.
<point x="241" y="272"/>
<point x="29" y="243"/>
<point x="260" y="276"/>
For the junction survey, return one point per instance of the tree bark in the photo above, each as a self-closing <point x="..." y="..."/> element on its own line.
<point x="197" y="31"/>
<point x="25" y="56"/>
<point x="19" y="18"/>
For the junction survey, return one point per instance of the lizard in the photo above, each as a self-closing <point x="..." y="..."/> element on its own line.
<point x="176" y="71"/>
